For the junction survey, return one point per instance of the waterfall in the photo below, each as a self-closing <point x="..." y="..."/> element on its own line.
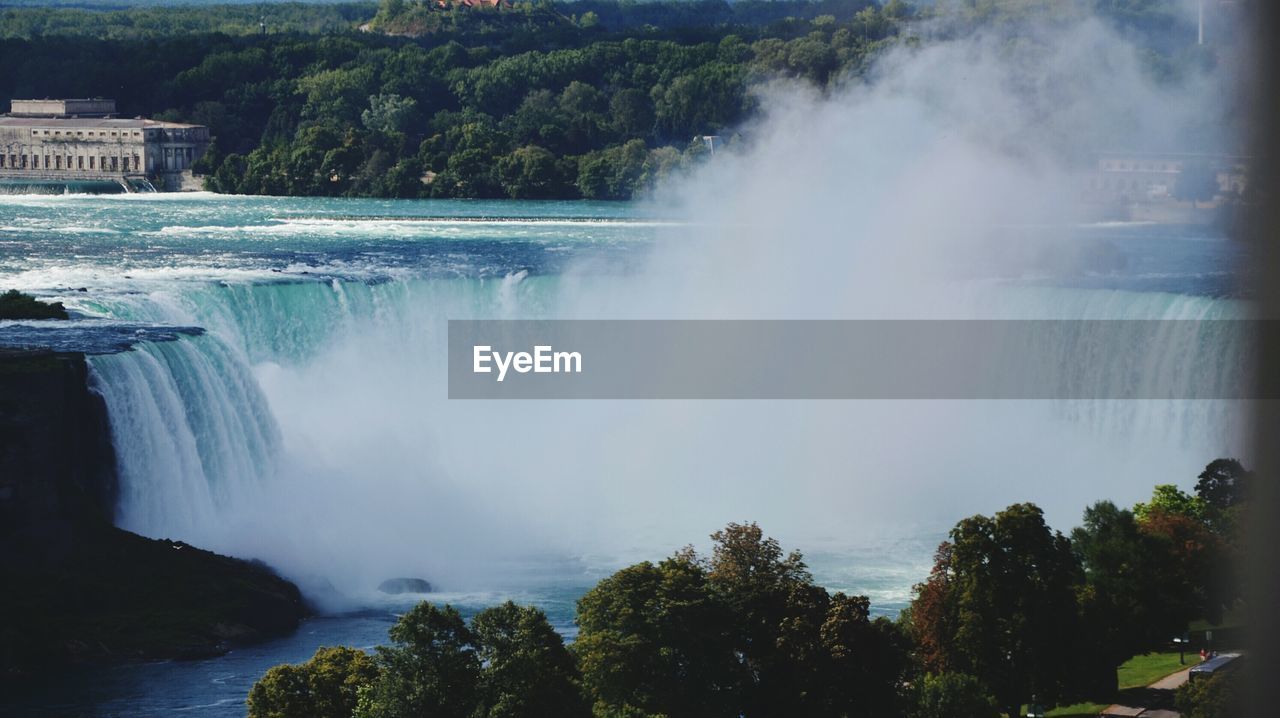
<point x="192" y="432"/>
<point x="352" y="372"/>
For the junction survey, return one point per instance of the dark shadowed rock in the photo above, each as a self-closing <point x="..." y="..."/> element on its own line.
<point x="404" y="585"/>
<point x="16" y="305"/>
<point x="77" y="589"/>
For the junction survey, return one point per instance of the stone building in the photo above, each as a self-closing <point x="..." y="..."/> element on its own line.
<point x="1146" y="177"/>
<point x="84" y="140"/>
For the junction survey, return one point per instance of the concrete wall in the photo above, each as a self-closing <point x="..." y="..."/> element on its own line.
<point x="98" y="153"/>
<point x="62" y="107"/>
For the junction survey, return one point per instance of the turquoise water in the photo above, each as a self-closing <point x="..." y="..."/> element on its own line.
<point x="217" y="687"/>
<point x="306" y="424"/>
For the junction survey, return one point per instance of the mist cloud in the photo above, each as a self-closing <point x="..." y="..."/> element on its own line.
<point x="891" y="195"/>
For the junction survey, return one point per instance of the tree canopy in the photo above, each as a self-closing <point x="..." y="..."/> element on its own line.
<point x="1001" y="606"/>
<point x="599" y="99"/>
<point x="1012" y="612"/>
<point x="518" y="102"/>
<point x="327" y="686"/>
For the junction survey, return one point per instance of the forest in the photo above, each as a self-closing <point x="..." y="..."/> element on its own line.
<point x="593" y="99"/>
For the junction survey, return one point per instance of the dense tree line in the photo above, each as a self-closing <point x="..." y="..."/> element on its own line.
<point x="534" y="99"/>
<point x="545" y="108"/>
<point x="135" y="23"/>
<point x="1033" y="614"/>
<point x="744" y="631"/>
<point x="601" y="120"/>
<point x="418" y="17"/>
<point x="1012" y="613"/>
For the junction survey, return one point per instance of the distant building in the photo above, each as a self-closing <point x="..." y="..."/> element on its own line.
<point x="446" y="4"/>
<point x="62" y="108"/>
<point x="1145" y="177"/>
<point x="77" y="140"/>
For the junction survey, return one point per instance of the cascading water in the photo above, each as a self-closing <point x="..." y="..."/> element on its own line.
<point x="352" y="370"/>
<point x="193" y="434"/>
<point x="940" y="185"/>
<point x="309" y="426"/>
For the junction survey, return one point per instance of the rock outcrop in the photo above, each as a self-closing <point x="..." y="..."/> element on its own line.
<point x="404" y="585"/>
<point x="75" y="587"/>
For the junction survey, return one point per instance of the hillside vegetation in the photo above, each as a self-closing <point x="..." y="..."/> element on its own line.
<point x="594" y="99"/>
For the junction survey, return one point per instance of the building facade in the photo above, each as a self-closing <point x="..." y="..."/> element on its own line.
<point x="83" y="140"/>
<point x="1147" y="177"/>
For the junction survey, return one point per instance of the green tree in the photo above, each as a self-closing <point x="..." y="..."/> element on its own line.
<point x="949" y="695"/>
<point x="227" y="177"/>
<point x="614" y="173"/>
<point x="702" y="101"/>
<point x="661" y="164"/>
<point x="1171" y="500"/>
<point x="580" y="105"/>
<point x="742" y="632"/>
<point x="1007" y="593"/>
<point x="1201" y="567"/>
<point x="1133" y="600"/>
<point x="404" y="180"/>
<point x="654" y="640"/>
<point x="861" y="662"/>
<point x="527" y="671"/>
<point x="531" y="173"/>
<point x="538" y="121"/>
<point x="1223" y="484"/>
<point x="391" y="8"/>
<point x="431" y="668"/>
<point x="631" y="113"/>
<point x="812" y="58"/>
<point x="336" y="95"/>
<point x="470" y="170"/>
<point x="327" y="686"/>
<point x="1219" y="696"/>
<point x="801" y="649"/>
<point x="283" y="692"/>
<point x="778" y="612"/>
<point x="389" y="113"/>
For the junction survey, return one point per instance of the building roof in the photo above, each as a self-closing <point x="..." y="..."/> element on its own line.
<point x="1155" y="155"/>
<point x="89" y="122"/>
<point x="89" y="107"/>
<point x="1214" y="664"/>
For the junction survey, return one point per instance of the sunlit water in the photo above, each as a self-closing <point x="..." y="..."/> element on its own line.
<point x="306" y="425"/>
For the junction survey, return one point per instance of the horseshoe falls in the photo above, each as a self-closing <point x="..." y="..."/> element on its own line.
<point x="301" y="418"/>
<point x="308" y="424"/>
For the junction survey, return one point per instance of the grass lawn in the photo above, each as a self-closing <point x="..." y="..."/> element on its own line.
<point x="1079" y="710"/>
<point x="1136" y="672"/>
<point x="1144" y="670"/>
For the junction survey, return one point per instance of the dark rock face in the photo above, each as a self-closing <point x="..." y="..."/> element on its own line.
<point x="111" y="595"/>
<point x="16" y="305"/>
<point x="56" y="460"/>
<point x="404" y="585"/>
<point x="77" y="589"/>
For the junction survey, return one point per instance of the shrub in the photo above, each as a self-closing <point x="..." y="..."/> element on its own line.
<point x="16" y="305"/>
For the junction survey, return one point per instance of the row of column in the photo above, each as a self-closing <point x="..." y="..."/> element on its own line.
<point x="38" y="159"/>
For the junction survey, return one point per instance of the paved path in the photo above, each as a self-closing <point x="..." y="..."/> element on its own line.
<point x="1158" y="694"/>
<point x="1173" y="681"/>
